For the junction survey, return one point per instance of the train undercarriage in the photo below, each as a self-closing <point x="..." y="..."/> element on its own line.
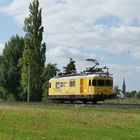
<point x="83" y="98"/>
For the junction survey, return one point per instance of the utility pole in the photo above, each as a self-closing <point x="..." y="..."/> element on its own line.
<point x="28" y="94"/>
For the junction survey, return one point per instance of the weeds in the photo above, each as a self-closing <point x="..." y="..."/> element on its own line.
<point x="70" y="123"/>
<point x="132" y="100"/>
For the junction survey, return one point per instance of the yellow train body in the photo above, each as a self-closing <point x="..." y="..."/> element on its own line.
<point x="82" y="87"/>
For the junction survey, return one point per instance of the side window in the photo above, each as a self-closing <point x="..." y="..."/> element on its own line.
<point x="57" y="84"/>
<point x="89" y="82"/>
<point x="94" y="82"/>
<point x="72" y="84"/>
<point x="49" y="85"/>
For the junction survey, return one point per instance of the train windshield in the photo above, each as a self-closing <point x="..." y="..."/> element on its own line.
<point x="109" y="83"/>
<point x="100" y="82"/>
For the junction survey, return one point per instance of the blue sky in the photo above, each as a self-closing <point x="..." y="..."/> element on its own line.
<point x="108" y="30"/>
<point x="8" y="27"/>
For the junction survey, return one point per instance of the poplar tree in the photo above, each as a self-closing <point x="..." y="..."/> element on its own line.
<point x="33" y="58"/>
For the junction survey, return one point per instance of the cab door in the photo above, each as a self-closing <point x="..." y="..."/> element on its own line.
<point x="84" y="86"/>
<point x="92" y="83"/>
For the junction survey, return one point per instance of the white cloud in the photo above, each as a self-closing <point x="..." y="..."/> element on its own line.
<point x="17" y="9"/>
<point x="101" y="38"/>
<point x="124" y="69"/>
<point x="71" y="23"/>
<point x="136" y="54"/>
<point x="61" y="55"/>
<point x="129" y="72"/>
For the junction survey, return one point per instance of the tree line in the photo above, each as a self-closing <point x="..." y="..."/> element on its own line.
<point x="127" y="94"/>
<point x="22" y="62"/>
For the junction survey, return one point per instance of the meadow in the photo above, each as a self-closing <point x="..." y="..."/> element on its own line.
<point x="76" y="122"/>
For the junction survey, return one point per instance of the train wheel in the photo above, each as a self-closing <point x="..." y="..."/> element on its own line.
<point x="71" y="101"/>
<point x="84" y="102"/>
<point x="94" y="102"/>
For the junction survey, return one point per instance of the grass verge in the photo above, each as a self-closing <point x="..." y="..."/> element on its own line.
<point x="28" y="122"/>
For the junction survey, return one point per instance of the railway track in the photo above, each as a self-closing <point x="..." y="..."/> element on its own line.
<point x="99" y="105"/>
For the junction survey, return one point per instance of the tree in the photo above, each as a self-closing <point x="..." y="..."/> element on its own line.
<point x="33" y="59"/>
<point x="138" y="95"/>
<point x="116" y="90"/>
<point x="6" y="95"/>
<point x="10" y="73"/>
<point x="49" y="72"/>
<point x="70" y="68"/>
<point x="131" y="94"/>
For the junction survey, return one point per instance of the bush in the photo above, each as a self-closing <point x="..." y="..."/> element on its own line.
<point x="138" y="95"/>
<point x="6" y="95"/>
<point x="131" y="94"/>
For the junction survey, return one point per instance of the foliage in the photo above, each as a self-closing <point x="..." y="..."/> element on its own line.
<point x="10" y="73"/>
<point x="131" y="94"/>
<point x="49" y="72"/>
<point x="70" y="68"/>
<point x="137" y="95"/>
<point x="6" y="95"/>
<point x="116" y="90"/>
<point x="33" y="58"/>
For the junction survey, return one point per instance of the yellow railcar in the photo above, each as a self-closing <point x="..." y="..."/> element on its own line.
<point x="82" y="87"/>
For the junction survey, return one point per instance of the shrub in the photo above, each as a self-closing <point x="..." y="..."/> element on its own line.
<point x="131" y="94"/>
<point x="138" y="95"/>
<point x="6" y="95"/>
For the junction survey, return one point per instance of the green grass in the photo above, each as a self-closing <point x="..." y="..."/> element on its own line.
<point x="28" y="122"/>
